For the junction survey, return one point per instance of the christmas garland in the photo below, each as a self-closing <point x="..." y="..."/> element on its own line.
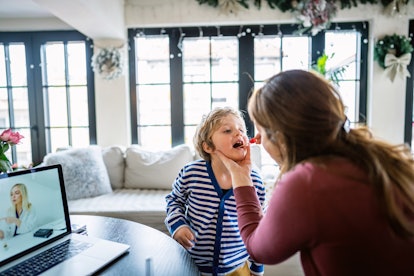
<point x="108" y="63"/>
<point x="397" y="45"/>
<point x="287" y="5"/>
<point x="314" y="15"/>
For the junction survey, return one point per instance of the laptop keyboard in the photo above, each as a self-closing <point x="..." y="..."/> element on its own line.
<point x="47" y="259"/>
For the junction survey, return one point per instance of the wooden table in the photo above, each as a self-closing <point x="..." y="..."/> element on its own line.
<point x="152" y="252"/>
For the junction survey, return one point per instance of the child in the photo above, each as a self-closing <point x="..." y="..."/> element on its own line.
<point x="201" y="210"/>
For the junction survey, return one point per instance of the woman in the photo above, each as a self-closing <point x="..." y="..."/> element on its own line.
<point x="343" y="199"/>
<point x="21" y="216"/>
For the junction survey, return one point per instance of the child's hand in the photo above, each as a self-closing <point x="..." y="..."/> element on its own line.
<point x="185" y="237"/>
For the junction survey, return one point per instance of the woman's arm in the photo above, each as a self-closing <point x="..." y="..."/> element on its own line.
<point x="288" y="224"/>
<point x="28" y="221"/>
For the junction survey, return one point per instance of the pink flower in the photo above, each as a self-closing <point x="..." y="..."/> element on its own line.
<point x="10" y="137"/>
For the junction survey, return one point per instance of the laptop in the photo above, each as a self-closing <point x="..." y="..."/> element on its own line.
<point x="45" y="232"/>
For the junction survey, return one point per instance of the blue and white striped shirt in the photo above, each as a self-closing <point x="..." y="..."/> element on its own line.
<point x="196" y="200"/>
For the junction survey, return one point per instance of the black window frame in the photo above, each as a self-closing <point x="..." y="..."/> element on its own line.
<point x="246" y="65"/>
<point x="33" y="44"/>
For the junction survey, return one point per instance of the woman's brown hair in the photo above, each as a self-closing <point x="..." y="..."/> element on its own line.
<point x="308" y="111"/>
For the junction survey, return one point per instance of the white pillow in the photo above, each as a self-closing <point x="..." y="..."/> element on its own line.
<point x="84" y="171"/>
<point x="113" y="158"/>
<point x="154" y="170"/>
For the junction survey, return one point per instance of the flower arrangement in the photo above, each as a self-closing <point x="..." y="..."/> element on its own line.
<point x="108" y="63"/>
<point x="393" y="53"/>
<point x="315" y="15"/>
<point x="7" y="139"/>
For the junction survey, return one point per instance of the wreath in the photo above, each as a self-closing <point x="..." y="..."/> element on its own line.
<point x="108" y="63"/>
<point x="397" y="45"/>
<point x="393" y="53"/>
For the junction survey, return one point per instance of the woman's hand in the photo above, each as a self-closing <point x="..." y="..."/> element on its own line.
<point x="185" y="237"/>
<point x="12" y="220"/>
<point x="239" y="171"/>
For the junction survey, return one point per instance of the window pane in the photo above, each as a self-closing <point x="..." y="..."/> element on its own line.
<point x="76" y="63"/>
<point x="18" y="65"/>
<point x="3" y="79"/>
<point x="56" y="105"/>
<point x="4" y="109"/>
<point x="154" y="105"/>
<point x="225" y="58"/>
<point x="348" y="91"/>
<point x="55" y="64"/>
<point x="296" y="52"/>
<point x="196" y="59"/>
<point x="189" y="132"/>
<point x="24" y="149"/>
<point x="155" y="138"/>
<point x="197" y="101"/>
<point x="59" y="138"/>
<point x="80" y="137"/>
<point x="266" y="56"/>
<point x="225" y="94"/>
<point x="153" y="59"/>
<point x="21" y="107"/>
<point x="79" y="106"/>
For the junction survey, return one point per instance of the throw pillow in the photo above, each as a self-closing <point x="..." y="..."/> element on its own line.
<point x="154" y="170"/>
<point x="113" y="157"/>
<point x="84" y="171"/>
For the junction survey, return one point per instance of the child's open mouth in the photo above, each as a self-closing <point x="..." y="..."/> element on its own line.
<point x="238" y="144"/>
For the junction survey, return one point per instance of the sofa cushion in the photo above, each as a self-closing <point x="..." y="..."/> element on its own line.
<point x="84" y="171"/>
<point x="143" y="206"/>
<point x="154" y="170"/>
<point x="113" y="158"/>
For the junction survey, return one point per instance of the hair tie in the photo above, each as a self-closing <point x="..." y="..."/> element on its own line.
<point x="346" y="125"/>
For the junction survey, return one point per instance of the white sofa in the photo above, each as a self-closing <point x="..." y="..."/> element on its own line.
<point x="129" y="183"/>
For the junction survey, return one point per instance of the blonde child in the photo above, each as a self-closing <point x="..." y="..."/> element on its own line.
<point x="201" y="209"/>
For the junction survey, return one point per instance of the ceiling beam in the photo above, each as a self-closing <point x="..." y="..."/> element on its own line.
<point x="97" y="19"/>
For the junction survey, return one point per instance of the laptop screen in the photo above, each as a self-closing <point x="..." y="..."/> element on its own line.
<point x="33" y="210"/>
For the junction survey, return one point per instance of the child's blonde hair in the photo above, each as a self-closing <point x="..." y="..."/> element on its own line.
<point x="209" y="123"/>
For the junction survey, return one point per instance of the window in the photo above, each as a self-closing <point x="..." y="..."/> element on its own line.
<point x="14" y="98"/>
<point x="178" y="74"/>
<point x="44" y="78"/>
<point x="65" y="94"/>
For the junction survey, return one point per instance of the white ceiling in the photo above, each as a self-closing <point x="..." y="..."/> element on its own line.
<point x="97" y="19"/>
<point x="22" y="9"/>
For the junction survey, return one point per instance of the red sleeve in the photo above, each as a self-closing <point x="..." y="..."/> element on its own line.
<point x="288" y="223"/>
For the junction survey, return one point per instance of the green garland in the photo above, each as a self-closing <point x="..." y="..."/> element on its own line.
<point x="288" y="5"/>
<point x="395" y="44"/>
<point x="283" y="5"/>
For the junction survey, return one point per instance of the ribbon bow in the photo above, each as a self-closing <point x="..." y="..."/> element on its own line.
<point x="396" y="65"/>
